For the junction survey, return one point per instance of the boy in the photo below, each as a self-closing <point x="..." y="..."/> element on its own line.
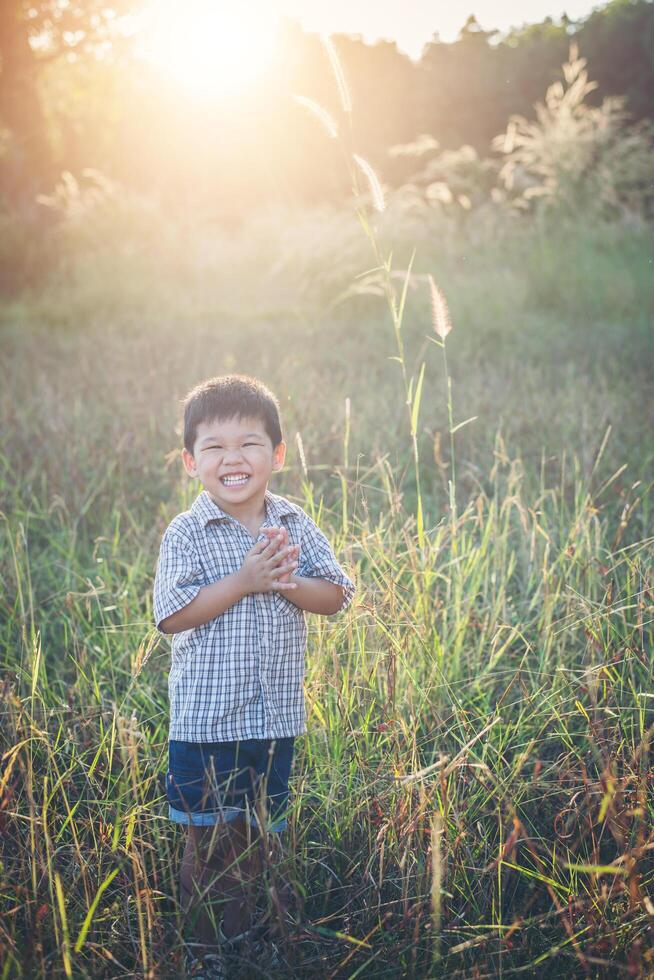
<point x="235" y="575"/>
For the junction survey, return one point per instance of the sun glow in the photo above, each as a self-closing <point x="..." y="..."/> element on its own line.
<point x="209" y="47"/>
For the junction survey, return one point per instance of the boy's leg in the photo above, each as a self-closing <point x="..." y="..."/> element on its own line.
<point x="197" y="872"/>
<point x="242" y="864"/>
<point x="219" y="866"/>
<point x="277" y="772"/>
<point x="220" y="859"/>
<point x="283" y="899"/>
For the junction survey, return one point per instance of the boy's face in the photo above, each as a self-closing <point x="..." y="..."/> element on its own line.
<point x="234" y="459"/>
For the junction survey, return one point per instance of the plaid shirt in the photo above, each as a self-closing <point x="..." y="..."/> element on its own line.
<point x="240" y="675"/>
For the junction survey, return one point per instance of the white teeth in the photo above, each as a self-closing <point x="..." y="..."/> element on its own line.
<point x="236" y="480"/>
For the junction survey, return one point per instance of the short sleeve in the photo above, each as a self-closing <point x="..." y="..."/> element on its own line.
<point x="179" y="576"/>
<point x="317" y="560"/>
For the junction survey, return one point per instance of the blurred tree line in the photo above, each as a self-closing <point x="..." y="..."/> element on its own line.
<point x="74" y="96"/>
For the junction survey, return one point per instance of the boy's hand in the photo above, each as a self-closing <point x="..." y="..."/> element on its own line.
<point x="280" y="534"/>
<point x="268" y="566"/>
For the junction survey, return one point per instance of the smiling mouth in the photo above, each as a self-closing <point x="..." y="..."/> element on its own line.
<point x="235" y="480"/>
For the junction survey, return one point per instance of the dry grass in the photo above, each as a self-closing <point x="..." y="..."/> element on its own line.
<point x="474" y="794"/>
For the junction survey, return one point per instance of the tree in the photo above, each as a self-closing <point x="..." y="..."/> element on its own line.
<point x="618" y="41"/>
<point x="32" y="34"/>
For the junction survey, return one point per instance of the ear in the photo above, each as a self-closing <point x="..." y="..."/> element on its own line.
<point x="189" y="463"/>
<point x="279" y="455"/>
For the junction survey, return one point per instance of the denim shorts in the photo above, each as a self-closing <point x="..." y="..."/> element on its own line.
<point x="216" y="782"/>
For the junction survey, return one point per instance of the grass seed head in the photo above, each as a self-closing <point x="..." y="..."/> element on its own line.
<point x="376" y="191"/>
<point x="339" y="74"/>
<point x="440" y="313"/>
<point x="300" y="449"/>
<point x="321" y="114"/>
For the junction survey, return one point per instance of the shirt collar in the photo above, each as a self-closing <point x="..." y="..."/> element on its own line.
<point x="206" y="509"/>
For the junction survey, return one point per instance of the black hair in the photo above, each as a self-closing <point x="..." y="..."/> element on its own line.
<point x="230" y="396"/>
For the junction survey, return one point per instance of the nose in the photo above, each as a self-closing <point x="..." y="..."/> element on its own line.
<point x="232" y="455"/>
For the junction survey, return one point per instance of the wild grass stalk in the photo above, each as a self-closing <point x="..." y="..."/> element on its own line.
<point x="357" y="164"/>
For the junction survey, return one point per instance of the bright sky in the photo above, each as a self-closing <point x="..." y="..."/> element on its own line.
<point x="411" y="23"/>
<point x="215" y="49"/>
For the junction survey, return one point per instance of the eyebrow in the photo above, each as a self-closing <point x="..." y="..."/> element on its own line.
<point x="247" y="435"/>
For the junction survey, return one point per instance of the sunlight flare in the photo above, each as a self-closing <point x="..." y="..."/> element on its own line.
<point x="210" y="49"/>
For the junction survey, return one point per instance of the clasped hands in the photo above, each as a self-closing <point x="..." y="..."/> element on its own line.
<point x="269" y="565"/>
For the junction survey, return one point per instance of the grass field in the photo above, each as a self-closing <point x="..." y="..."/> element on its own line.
<point x="474" y="795"/>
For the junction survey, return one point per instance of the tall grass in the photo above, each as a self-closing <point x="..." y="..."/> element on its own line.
<point x="540" y="644"/>
<point x="474" y="794"/>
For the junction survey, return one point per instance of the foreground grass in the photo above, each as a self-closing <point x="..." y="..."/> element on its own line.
<point x="474" y="795"/>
